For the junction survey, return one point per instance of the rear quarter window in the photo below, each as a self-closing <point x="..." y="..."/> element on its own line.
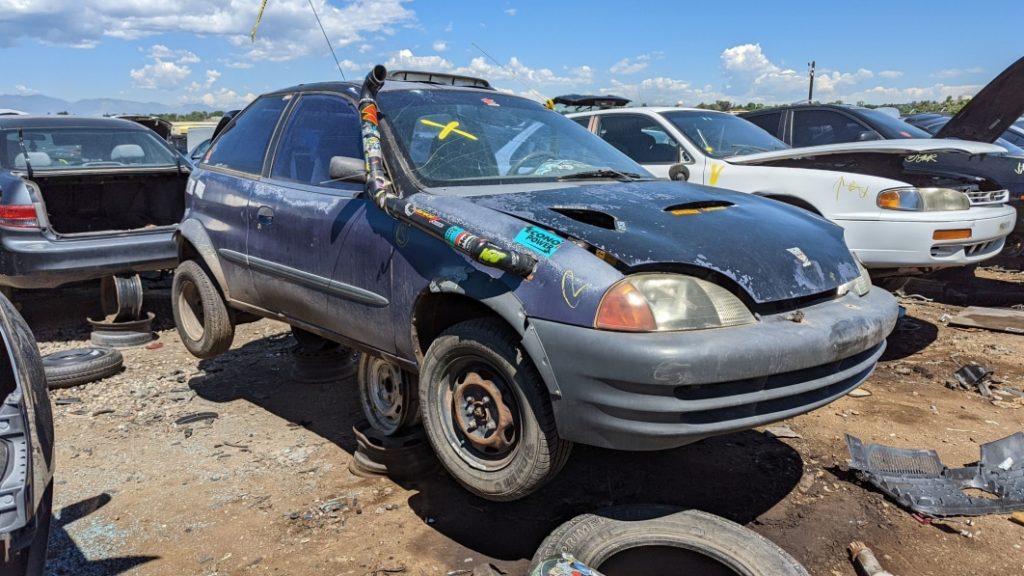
<point x="768" y="122"/>
<point x="243" y="145"/>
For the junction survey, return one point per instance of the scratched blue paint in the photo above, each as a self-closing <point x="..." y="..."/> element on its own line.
<point x="540" y="241"/>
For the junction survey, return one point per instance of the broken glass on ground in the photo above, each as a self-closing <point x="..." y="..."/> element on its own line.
<point x="919" y="481"/>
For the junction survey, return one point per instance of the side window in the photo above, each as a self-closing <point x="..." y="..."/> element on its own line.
<point x="768" y="122"/>
<point x="320" y="126"/>
<point x="582" y="121"/>
<point x="243" y="146"/>
<point x="1014" y="138"/>
<point x="639" y="137"/>
<point x="816" y="127"/>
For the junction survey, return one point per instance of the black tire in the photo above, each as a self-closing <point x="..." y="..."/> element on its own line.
<point x="480" y="359"/>
<point x="30" y="561"/>
<point x="655" y="540"/>
<point x="311" y="342"/>
<point x="387" y="394"/>
<point x="120" y="339"/>
<point x="200" y="314"/>
<point x="80" y="366"/>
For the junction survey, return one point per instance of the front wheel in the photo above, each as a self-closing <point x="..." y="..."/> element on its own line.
<point x="200" y="313"/>
<point x="487" y="413"/>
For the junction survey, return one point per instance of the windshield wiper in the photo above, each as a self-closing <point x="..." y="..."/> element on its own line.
<point x="601" y="173"/>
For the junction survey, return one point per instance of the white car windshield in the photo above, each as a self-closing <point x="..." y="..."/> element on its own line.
<point x="45" y="149"/>
<point x="460" y="137"/>
<point x="721" y="135"/>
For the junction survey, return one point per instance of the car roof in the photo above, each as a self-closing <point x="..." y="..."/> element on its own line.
<point x="652" y="109"/>
<point x="61" y="121"/>
<point x="847" y="107"/>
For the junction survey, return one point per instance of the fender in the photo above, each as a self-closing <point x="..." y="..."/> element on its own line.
<point x="192" y="230"/>
<point x="509" y="308"/>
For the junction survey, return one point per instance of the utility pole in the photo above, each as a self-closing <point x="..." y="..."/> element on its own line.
<point x="810" y="88"/>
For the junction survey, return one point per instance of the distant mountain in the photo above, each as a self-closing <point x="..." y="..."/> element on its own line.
<point x="40" y="104"/>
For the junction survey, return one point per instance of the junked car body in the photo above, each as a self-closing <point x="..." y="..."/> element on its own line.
<point x="542" y="287"/>
<point x="84" y="198"/>
<point x="896" y="221"/>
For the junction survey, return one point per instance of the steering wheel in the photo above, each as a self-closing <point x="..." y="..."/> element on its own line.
<point x="532" y="155"/>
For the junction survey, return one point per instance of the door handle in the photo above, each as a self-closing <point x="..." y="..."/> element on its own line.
<point x="264" y="216"/>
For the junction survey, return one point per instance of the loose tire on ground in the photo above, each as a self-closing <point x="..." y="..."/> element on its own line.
<point x="80" y="366"/>
<point x="660" y="540"/>
<point x="200" y="314"/>
<point x="311" y="342"/>
<point x="475" y="360"/>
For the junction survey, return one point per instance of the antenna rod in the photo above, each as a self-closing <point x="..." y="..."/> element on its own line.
<point x="328" y="40"/>
<point x="810" y="88"/>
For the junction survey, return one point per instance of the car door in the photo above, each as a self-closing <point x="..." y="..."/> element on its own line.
<point x="643" y="139"/>
<point x="227" y="178"/>
<point x="314" y="246"/>
<point x="815" y="127"/>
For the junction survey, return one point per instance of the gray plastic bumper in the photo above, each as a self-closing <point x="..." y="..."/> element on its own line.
<point x="656" y="391"/>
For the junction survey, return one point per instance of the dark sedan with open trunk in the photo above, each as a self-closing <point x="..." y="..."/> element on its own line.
<point x="84" y="198"/>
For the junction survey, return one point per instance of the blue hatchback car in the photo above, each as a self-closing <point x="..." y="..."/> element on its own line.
<point x="515" y="283"/>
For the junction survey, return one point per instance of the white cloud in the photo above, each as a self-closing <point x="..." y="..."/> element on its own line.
<point x="752" y="76"/>
<point x="662" y="91"/>
<point x="532" y="78"/>
<point x="440" y="46"/>
<point x="512" y="11"/>
<point x="211" y="77"/>
<point x="956" y="72"/>
<point x="889" y="95"/>
<point x="449" y="27"/>
<point x="225" y="99"/>
<point x="160" y="75"/>
<point x="890" y="74"/>
<point x="632" y="66"/>
<point x="239" y="65"/>
<point x="364" y="48"/>
<point x="288" y="29"/>
<point x="406" y="60"/>
<point x="161" y="52"/>
<point x="23" y="90"/>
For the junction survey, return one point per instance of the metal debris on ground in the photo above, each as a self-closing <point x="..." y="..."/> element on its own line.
<point x="999" y="319"/>
<point x="781" y="432"/>
<point x="1018" y="517"/>
<point x="981" y="379"/>
<point x="919" y="481"/>
<point x="859" y="393"/>
<point x="973" y="377"/>
<point x="864" y="559"/>
<point x="196" y="417"/>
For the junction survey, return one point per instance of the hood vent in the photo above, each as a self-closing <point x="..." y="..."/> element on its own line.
<point x="588" y="216"/>
<point x="697" y="207"/>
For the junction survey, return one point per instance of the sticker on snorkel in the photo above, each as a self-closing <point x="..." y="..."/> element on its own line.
<point x="540" y="241"/>
<point x="447" y="129"/>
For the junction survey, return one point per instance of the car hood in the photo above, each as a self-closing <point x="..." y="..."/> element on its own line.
<point x="991" y="111"/>
<point x="772" y="251"/>
<point x="907" y="146"/>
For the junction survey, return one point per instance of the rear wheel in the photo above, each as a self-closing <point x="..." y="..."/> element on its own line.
<point x="200" y="314"/>
<point x="387" y="394"/>
<point x="487" y="413"/>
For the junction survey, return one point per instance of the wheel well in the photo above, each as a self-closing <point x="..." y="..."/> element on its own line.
<point x="186" y="251"/>
<point x="793" y="201"/>
<point x="434" y="313"/>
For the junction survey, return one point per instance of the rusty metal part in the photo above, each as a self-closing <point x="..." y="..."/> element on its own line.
<point x="864" y="558"/>
<point x="482" y="415"/>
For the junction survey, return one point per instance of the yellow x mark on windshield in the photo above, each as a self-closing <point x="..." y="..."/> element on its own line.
<point x="447" y="129"/>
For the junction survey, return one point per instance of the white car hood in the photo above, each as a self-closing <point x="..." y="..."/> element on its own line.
<point x="907" y="146"/>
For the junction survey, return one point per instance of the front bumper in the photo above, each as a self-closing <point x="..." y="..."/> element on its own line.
<point x="30" y="260"/>
<point x="662" y="390"/>
<point x="908" y="243"/>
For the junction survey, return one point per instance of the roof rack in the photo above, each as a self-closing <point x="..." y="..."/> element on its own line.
<point x="591" y="101"/>
<point x="439" y="78"/>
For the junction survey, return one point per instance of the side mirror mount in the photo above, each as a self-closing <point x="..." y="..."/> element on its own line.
<point x="868" y="135"/>
<point x="346" y="169"/>
<point x="679" y="173"/>
<point x="684" y="157"/>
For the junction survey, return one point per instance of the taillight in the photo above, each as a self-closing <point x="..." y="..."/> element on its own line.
<point x="18" y="216"/>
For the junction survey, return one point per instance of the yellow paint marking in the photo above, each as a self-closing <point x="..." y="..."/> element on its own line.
<point x="447" y="129"/>
<point x="685" y="212"/>
<point x="716" y="171"/>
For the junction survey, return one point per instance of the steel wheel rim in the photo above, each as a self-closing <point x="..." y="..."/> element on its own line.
<point x="384" y="396"/>
<point x="190" y="311"/>
<point x="464" y="401"/>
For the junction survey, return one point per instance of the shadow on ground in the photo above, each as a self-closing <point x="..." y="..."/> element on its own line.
<point x="82" y="555"/>
<point x="739" y="476"/>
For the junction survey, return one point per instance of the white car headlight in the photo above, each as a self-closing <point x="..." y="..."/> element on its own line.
<point x="860" y="285"/>
<point x="664" y="302"/>
<point x="923" y="199"/>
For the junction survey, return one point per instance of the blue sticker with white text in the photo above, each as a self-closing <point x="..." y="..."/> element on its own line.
<point x="540" y="241"/>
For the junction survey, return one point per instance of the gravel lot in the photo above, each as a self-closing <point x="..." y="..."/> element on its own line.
<point x="264" y="488"/>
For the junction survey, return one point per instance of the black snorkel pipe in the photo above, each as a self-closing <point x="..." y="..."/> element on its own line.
<point x="379" y="188"/>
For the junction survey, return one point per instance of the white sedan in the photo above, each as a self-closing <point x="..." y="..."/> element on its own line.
<point x="897" y="221"/>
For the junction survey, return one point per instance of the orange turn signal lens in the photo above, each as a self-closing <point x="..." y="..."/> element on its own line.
<point x="889" y="199"/>
<point x="958" y="234"/>
<point x="625" y="309"/>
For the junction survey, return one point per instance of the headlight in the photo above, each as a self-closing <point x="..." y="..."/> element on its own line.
<point x="861" y="285"/>
<point x="665" y="302"/>
<point x="923" y="199"/>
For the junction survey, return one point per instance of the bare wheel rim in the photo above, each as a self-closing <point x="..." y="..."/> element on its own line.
<point x="190" y="310"/>
<point x="385" y="396"/>
<point x="481" y="413"/>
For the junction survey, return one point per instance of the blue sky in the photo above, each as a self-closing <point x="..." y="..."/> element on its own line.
<point x="654" y="52"/>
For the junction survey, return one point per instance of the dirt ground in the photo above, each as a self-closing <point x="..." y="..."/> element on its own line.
<point x="264" y="488"/>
